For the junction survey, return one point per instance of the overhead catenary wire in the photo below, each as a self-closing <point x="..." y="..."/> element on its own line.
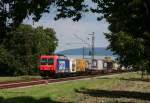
<point x="83" y="41"/>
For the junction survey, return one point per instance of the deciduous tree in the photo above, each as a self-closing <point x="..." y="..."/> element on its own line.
<point x="129" y="25"/>
<point x="23" y="47"/>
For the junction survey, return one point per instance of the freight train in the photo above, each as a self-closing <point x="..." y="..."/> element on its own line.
<point x="60" y="65"/>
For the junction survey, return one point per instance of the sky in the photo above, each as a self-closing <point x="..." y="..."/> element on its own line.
<point x="68" y="30"/>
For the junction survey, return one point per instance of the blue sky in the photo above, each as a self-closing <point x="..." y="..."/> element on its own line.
<point x="66" y="29"/>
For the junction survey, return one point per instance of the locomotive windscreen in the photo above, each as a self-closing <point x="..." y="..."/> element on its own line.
<point x="47" y="61"/>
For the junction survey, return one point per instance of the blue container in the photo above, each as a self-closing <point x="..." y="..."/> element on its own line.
<point x="62" y="66"/>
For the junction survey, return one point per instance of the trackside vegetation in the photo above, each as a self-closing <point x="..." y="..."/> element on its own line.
<point x="14" y="78"/>
<point x="126" y="87"/>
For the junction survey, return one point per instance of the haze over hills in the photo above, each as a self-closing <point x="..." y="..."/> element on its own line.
<point x="101" y="51"/>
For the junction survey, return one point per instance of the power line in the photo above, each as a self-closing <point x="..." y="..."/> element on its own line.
<point x="81" y="40"/>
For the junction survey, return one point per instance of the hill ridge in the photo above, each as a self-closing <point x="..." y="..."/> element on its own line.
<point x="79" y="51"/>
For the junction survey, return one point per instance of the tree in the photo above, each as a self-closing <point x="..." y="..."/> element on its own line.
<point x="45" y="40"/>
<point x="129" y="25"/>
<point x="12" y="12"/>
<point x="8" y="64"/>
<point x="24" y="45"/>
<point x="129" y="49"/>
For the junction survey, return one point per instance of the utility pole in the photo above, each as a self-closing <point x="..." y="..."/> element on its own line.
<point x="93" y="52"/>
<point x="83" y="51"/>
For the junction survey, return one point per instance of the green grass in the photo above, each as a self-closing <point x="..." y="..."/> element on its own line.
<point x="26" y="77"/>
<point x="125" y="87"/>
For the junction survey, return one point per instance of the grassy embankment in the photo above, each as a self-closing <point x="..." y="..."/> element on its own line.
<point x="125" y="87"/>
<point x="18" y="78"/>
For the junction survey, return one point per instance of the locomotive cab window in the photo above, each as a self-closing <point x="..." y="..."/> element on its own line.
<point x="47" y="61"/>
<point x="50" y="61"/>
<point x="43" y="61"/>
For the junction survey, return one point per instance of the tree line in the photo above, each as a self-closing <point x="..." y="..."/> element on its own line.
<point x="20" y="51"/>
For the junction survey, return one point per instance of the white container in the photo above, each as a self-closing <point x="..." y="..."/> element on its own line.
<point x="72" y="64"/>
<point x="97" y="65"/>
<point x="115" y="66"/>
<point x="100" y="65"/>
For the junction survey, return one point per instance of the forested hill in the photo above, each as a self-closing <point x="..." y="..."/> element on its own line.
<point x="79" y="51"/>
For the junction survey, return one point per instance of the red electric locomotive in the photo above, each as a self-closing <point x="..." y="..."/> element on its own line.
<point x="52" y="65"/>
<point x="47" y="65"/>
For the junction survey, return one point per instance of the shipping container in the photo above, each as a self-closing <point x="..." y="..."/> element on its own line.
<point x="81" y="65"/>
<point x="72" y="68"/>
<point x="116" y="66"/>
<point x="93" y="65"/>
<point x="108" y="58"/>
<point x="108" y="65"/>
<point x="100" y="65"/>
<point x="105" y="65"/>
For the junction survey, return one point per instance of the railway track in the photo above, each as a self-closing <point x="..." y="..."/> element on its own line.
<point x="15" y="84"/>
